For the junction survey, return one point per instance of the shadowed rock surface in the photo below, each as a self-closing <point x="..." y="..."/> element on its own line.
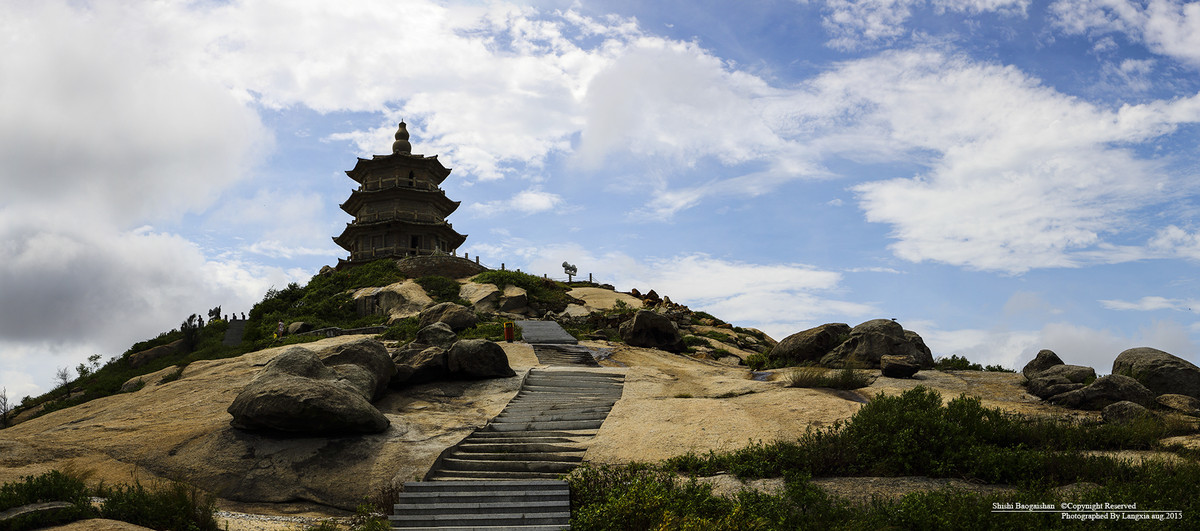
<point x="871" y="340"/>
<point x="810" y="345"/>
<point x="652" y="330"/>
<point x="1159" y="371"/>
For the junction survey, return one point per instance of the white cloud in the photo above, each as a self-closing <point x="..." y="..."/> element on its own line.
<point x="1075" y="344"/>
<point x="525" y="202"/>
<point x="1151" y="303"/>
<point x="1167" y="27"/>
<point x="856" y="24"/>
<point x="1023" y="177"/>
<point x="779" y="299"/>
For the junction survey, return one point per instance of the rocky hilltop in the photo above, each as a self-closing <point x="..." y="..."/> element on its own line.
<point x="692" y="383"/>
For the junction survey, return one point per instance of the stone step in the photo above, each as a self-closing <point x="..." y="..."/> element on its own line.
<point x="534" y="435"/>
<point x="559" y="406"/>
<point x="573" y="456"/>
<point x="528" y="507"/>
<point x="549" y="425"/>
<point x="515" y="447"/>
<point x="477" y="528"/>
<point x="472" y="495"/>
<point x="557" y="467"/>
<point x="481" y="520"/>
<point x="456" y="476"/>
<point x="487" y="486"/>
<point x="550" y="416"/>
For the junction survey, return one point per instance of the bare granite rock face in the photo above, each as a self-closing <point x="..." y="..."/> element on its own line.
<point x="871" y="340"/>
<point x="1159" y="371"/>
<point x="297" y="394"/>
<point x="139" y="359"/>
<point x="810" y="345"/>
<point x="1044" y="360"/>
<point x="652" y="330"/>
<point x="1104" y="391"/>
<point x="458" y="317"/>
<point x="397" y="301"/>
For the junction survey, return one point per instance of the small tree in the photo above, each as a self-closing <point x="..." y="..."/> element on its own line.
<point x="5" y="407"/>
<point x="191" y="332"/>
<point x="62" y="377"/>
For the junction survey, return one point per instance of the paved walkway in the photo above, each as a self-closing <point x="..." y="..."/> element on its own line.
<point x="545" y="332"/>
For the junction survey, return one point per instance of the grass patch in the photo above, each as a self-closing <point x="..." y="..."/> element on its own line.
<point x="713" y="334"/>
<point x="910" y="434"/>
<point x="540" y="291"/>
<point x="162" y="506"/>
<point x="847" y="378"/>
<point x="693" y="341"/>
<point x="442" y="289"/>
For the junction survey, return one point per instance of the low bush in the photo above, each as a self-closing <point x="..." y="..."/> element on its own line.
<point x="847" y="378"/>
<point x="757" y="361"/>
<point x="162" y="506"/>
<point x="442" y="289"/>
<point x="49" y="487"/>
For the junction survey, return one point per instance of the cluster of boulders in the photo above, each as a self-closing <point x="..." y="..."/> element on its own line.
<point x="651" y="299"/>
<point x="438" y="354"/>
<point x="876" y="344"/>
<point x="1142" y="378"/>
<point x="327" y="392"/>
<point x="649" y="329"/>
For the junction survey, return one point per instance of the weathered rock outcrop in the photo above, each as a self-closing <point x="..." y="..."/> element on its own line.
<point x="476" y="359"/>
<point x="1159" y="371"/>
<point x="870" y="341"/>
<point x="1180" y="403"/>
<point x="1044" y="360"/>
<point x="302" y="392"/>
<point x="483" y="297"/>
<point x="898" y="366"/>
<point x="1104" y="391"/>
<point x="397" y="301"/>
<point x="652" y="330"/>
<point x="458" y="317"/>
<point x="467" y="359"/>
<point x="139" y="359"/>
<point x="810" y="345"/>
<point x="438" y="334"/>
<point x="1124" y="411"/>
<point x="299" y="327"/>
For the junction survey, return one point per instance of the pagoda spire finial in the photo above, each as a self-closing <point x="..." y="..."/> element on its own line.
<point x="401" y="144"/>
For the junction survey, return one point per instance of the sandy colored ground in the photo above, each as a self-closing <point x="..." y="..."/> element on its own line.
<point x="603" y="299"/>
<point x="671" y="404"/>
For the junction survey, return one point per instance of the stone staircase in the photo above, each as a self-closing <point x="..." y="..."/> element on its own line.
<point x="541" y="434"/>
<point x="233" y="334"/>
<point x="534" y="505"/>
<point x="505" y="474"/>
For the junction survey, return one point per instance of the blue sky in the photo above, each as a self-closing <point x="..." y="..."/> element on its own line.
<point x="1001" y="176"/>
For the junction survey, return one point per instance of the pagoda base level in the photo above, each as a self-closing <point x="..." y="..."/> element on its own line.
<point x="427" y="264"/>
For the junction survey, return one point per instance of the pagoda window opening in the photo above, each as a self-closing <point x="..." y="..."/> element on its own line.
<point x="412" y="180"/>
<point x="415" y="242"/>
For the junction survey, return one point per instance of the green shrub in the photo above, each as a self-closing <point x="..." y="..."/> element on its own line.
<point x="847" y="378"/>
<point x="48" y="487"/>
<point x="724" y="338"/>
<point x="757" y="361"/>
<point x="404" y="330"/>
<point x="540" y="291"/>
<point x="956" y="363"/>
<point x="693" y="341"/>
<point x="172" y="376"/>
<point x="164" y="506"/>
<point x="442" y="289"/>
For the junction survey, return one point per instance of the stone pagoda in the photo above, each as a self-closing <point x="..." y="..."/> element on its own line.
<point x="398" y="208"/>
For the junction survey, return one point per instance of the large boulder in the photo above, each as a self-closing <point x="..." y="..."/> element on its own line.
<point x="870" y="341"/>
<point x="515" y="299"/>
<point x="1124" y="411"/>
<point x="139" y="359"/>
<point x="438" y="334"/>
<point x="483" y="297"/>
<point x="898" y="366"/>
<point x="1104" y="391"/>
<point x="1069" y="373"/>
<point x="1044" y="360"/>
<point x="811" y="344"/>
<point x="295" y="393"/>
<point x="397" y="301"/>
<point x="420" y="366"/>
<point x="364" y="363"/>
<point x="458" y="317"/>
<point x="299" y="327"/>
<point x="652" y="330"/>
<point x="1181" y="403"/>
<point x="1159" y="371"/>
<point x="477" y="359"/>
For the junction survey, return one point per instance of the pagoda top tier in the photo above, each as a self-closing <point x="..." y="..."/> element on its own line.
<point x="401" y="157"/>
